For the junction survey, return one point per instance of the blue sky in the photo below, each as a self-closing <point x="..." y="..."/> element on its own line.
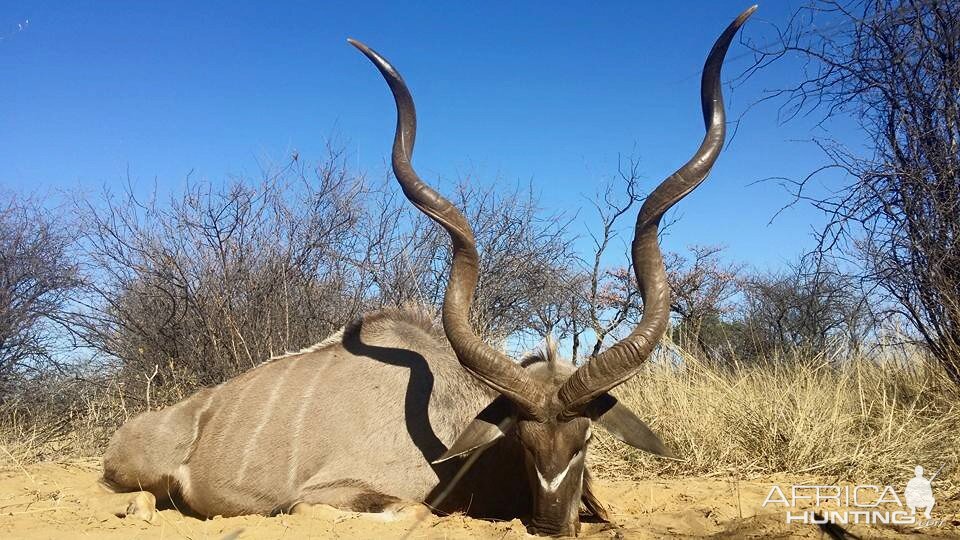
<point x="547" y="93"/>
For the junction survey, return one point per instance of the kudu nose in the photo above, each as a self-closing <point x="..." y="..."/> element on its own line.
<point x="542" y="527"/>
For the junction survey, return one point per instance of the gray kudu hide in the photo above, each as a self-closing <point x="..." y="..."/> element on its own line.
<point x="386" y="414"/>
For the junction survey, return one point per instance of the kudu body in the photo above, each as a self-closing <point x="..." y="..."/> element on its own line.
<point x="354" y="422"/>
<point x="379" y="416"/>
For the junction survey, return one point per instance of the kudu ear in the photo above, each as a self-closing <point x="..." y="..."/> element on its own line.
<point x="620" y="421"/>
<point x="492" y="423"/>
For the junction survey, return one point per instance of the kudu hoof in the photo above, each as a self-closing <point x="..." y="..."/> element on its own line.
<point x="142" y="506"/>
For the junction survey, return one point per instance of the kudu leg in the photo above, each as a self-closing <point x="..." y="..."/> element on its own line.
<point x="334" y="498"/>
<point x="138" y="504"/>
<point x="146" y="457"/>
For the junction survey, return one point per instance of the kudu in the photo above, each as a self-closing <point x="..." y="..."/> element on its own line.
<point x="378" y="417"/>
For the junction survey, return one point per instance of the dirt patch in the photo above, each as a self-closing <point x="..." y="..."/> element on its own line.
<point x="58" y="500"/>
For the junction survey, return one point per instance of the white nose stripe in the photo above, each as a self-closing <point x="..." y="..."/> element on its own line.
<point x="554" y="483"/>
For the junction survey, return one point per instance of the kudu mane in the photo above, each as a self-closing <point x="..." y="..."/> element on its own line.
<point x="415" y="316"/>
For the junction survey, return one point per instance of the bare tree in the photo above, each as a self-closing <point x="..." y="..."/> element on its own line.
<point x="220" y="279"/>
<point x="605" y="298"/>
<point x="702" y="287"/>
<point x="602" y="297"/>
<point x="403" y="254"/>
<point x="524" y="257"/>
<point x="808" y="308"/>
<point x="894" y="68"/>
<point x="37" y="274"/>
<point x="190" y="292"/>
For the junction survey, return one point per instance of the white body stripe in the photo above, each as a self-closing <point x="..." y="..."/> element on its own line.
<point x="266" y="414"/>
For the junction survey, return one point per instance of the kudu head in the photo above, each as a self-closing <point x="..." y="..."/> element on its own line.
<point x="548" y="405"/>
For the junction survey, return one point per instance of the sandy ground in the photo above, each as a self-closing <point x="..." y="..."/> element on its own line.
<point x="58" y="500"/>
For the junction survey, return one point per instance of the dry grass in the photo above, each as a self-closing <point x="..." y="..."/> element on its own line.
<point x="849" y="419"/>
<point x="59" y="420"/>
